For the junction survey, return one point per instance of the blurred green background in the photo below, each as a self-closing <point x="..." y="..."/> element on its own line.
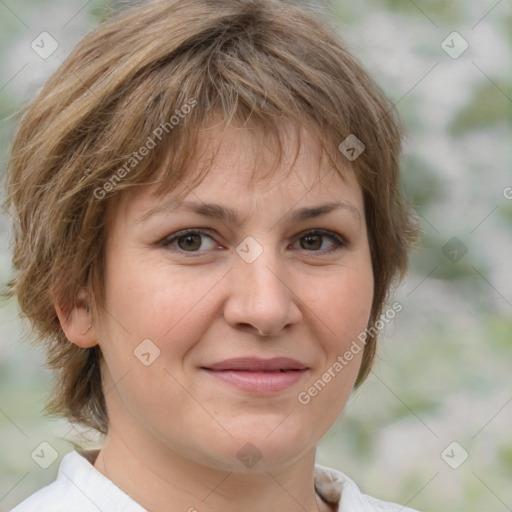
<point x="443" y="372"/>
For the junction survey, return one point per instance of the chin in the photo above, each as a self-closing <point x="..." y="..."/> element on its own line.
<point x="261" y="443"/>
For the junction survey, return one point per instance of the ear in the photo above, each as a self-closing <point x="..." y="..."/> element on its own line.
<point x="77" y="323"/>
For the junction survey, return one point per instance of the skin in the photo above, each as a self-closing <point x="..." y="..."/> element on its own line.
<point x="178" y="429"/>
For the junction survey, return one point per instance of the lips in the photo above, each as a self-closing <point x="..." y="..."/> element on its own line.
<point x="258" y="376"/>
<point x="257" y="365"/>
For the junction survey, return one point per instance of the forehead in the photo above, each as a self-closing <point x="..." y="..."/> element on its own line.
<point x="240" y="165"/>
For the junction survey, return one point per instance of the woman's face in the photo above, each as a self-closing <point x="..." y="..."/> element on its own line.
<point x="186" y="372"/>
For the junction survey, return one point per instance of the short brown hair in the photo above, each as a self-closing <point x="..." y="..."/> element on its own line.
<point x="262" y="62"/>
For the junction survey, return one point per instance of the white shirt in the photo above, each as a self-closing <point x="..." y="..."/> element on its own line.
<point x="80" y="487"/>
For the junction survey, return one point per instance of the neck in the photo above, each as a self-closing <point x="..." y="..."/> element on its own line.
<point x="155" y="479"/>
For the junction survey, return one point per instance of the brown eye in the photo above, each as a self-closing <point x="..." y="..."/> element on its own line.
<point x="311" y="242"/>
<point x="189" y="242"/>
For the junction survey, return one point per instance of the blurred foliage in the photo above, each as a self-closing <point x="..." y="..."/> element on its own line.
<point x="488" y="106"/>
<point x="435" y="9"/>
<point x="422" y="185"/>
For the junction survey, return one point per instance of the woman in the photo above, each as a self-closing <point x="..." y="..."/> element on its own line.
<point x="207" y="225"/>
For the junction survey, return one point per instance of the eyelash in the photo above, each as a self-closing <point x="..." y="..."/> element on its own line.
<point x="339" y="241"/>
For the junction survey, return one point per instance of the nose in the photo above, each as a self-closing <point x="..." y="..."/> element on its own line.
<point x="262" y="298"/>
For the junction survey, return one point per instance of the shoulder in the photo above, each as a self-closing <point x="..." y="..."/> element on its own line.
<point x="338" y="488"/>
<point x="78" y="487"/>
<point x="49" y="498"/>
<point x="61" y="494"/>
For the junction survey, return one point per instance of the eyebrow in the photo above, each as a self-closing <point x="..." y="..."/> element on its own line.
<point x="223" y="213"/>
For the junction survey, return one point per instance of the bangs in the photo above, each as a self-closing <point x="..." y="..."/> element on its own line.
<point x="168" y="111"/>
<point x="273" y="148"/>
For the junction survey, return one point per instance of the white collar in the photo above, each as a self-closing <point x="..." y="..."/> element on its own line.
<point x="82" y="488"/>
<point x="338" y="488"/>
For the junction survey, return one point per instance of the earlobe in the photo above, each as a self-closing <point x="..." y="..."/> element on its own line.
<point x="77" y="323"/>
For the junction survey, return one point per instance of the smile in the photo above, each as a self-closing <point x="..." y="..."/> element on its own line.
<point x="258" y="375"/>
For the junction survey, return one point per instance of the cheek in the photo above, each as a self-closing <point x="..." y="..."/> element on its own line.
<point x="149" y="298"/>
<point x="342" y="309"/>
<point x="343" y="304"/>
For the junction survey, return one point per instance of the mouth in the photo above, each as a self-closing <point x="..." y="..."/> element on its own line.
<point x="259" y="376"/>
